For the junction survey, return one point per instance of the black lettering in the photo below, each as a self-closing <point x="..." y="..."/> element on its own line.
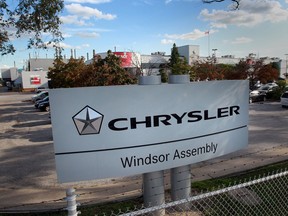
<point x="147" y="122"/>
<point x="194" y="117"/>
<point x="148" y="159"/>
<point x="194" y="152"/>
<point x="222" y="112"/>
<point x="127" y="162"/>
<point x="234" y="109"/>
<point x="155" y="159"/>
<point x="206" y="115"/>
<point x="121" y="124"/>
<point x="188" y="153"/>
<point x="183" y="154"/>
<point x="112" y="123"/>
<point x="140" y="161"/>
<point x="176" y="155"/>
<point x="161" y="158"/>
<point x="208" y="148"/>
<point x="165" y="120"/>
<point x="178" y="118"/>
<point x="201" y="150"/>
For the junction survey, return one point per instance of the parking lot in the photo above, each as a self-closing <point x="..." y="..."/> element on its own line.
<point x="28" y="178"/>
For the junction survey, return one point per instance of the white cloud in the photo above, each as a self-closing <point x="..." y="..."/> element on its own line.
<point x="4" y="66"/>
<point x="88" y="34"/>
<point x="250" y="13"/>
<point x="147" y="2"/>
<point x="196" y="34"/>
<point x="167" y="41"/>
<point x="61" y="44"/>
<point x="73" y="19"/>
<point x="242" y="40"/>
<point x="85" y="45"/>
<point x="79" y="47"/>
<point x="88" y="29"/>
<point x="68" y="46"/>
<point x="89" y="1"/>
<point x="87" y="12"/>
<point x="83" y="32"/>
<point x="65" y="35"/>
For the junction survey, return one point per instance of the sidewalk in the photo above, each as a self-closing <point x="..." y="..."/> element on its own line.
<point x="28" y="179"/>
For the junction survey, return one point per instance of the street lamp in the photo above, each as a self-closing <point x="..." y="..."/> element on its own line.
<point x="286" y="73"/>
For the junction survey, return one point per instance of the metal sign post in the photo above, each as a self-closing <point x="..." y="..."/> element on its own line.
<point x="180" y="176"/>
<point x="153" y="182"/>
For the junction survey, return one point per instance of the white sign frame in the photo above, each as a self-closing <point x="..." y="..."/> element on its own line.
<point x="142" y="129"/>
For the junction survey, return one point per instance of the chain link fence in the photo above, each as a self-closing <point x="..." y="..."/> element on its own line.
<point x="261" y="196"/>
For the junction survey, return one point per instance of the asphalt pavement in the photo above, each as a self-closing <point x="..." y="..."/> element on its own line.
<point x="28" y="179"/>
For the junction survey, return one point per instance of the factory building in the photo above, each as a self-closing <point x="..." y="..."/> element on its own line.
<point x="35" y="74"/>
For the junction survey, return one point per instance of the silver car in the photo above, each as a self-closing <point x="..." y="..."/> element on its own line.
<point x="284" y="99"/>
<point x="39" y="96"/>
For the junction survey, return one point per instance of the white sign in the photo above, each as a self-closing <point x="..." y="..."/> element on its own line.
<point x="103" y="132"/>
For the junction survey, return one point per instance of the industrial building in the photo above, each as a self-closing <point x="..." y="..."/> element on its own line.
<point x="35" y="73"/>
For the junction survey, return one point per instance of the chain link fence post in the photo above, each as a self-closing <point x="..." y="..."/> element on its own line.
<point x="71" y="202"/>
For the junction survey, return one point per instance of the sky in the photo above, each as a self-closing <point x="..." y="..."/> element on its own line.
<point x="147" y="26"/>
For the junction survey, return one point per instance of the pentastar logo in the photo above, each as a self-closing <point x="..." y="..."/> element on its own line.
<point x="88" y="121"/>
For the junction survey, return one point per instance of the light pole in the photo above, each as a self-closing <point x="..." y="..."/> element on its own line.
<point x="286" y="72"/>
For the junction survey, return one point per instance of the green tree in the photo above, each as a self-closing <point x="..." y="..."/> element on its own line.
<point x="229" y="72"/>
<point x="164" y="73"/>
<point x="101" y="72"/>
<point x="261" y="72"/>
<point x="241" y="70"/>
<point x="277" y="66"/>
<point x="277" y="91"/>
<point x="66" y="75"/>
<point x="175" y="56"/>
<point x="177" y="64"/>
<point x="267" y="73"/>
<point x="200" y="71"/>
<point x="207" y="71"/>
<point x="29" y="17"/>
<point x="108" y="71"/>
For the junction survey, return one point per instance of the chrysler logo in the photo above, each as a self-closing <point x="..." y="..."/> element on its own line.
<point x="88" y="121"/>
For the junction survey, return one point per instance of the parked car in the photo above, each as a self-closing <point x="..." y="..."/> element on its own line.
<point x="44" y="106"/>
<point x="41" y="101"/>
<point x="284" y="99"/>
<point x="9" y="85"/>
<point x="257" y="85"/>
<point x="40" y="89"/>
<point x="257" y="97"/>
<point x="261" y="93"/>
<point x="273" y="84"/>
<point x="39" y="96"/>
